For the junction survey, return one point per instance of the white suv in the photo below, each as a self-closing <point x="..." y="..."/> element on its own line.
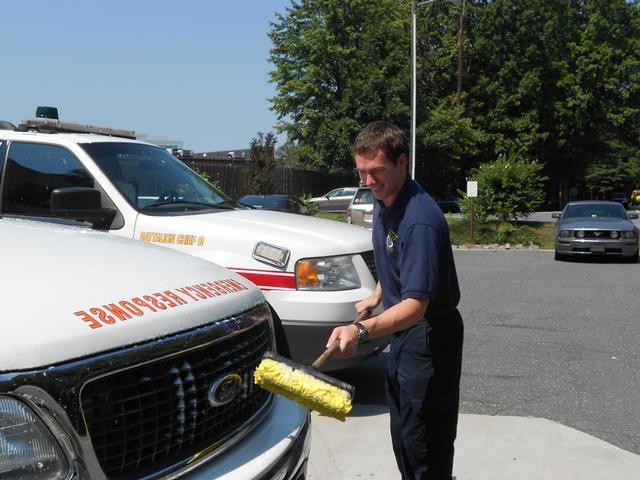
<point x="125" y="360"/>
<point x="312" y="271"/>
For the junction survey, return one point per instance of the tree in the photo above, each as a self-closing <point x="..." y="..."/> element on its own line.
<point x="339" y="64"/>
<point x="263" y="165"/>
<point x="509" y="187"/>
<point x="450" y="142"/>
<point x="558" y="81"/>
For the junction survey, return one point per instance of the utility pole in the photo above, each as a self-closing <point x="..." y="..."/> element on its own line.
<point x="460" y="54"/>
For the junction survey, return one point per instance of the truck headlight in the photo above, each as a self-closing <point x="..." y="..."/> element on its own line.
<point x="28" y="449"/>
<point x="328" y="273"/>
<point x="565" y="233"/>
<point x="629" y="234"/>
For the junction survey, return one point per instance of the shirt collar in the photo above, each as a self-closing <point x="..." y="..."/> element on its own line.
<point x="401" y="200"/>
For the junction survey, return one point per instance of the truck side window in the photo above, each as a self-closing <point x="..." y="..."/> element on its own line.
<point x="33" y="171"/>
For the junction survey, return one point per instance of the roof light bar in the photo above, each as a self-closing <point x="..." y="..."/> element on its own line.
<point x="48" y="125"/>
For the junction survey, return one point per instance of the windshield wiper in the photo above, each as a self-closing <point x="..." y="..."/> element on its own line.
<point x="187" y="202"/>
<point x="232" y="204"/>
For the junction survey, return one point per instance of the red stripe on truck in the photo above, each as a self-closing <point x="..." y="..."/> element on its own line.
<point x="268" y="279"/>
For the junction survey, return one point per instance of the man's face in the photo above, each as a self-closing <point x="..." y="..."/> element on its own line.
<point x="380" y="174"/>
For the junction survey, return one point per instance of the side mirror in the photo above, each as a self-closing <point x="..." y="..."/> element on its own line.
<point x="81" y="203"/>
<point x="555" y="215"/>
<point x="633" y="216"/>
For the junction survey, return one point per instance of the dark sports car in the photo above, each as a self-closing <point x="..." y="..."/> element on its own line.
<point x="596" y="228"/>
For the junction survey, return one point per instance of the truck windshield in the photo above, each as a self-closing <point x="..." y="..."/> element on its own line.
<point x="153" y="180"/>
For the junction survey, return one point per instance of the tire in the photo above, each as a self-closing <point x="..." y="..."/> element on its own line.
<point x="634" y="258"/>
<point x="556" y="256"/>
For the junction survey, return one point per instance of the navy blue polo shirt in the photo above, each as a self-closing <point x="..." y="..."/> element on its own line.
<point x="413" y="251"/>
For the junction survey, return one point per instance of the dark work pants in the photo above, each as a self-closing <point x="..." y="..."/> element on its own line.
<point x="423" y="393"/>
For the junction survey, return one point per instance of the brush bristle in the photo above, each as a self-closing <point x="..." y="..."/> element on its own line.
<point x="301" y="387"/>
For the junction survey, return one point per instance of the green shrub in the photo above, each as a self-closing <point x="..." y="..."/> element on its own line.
<point x="503" y="235"/>
<point x="312" y="206"/>
<point x="492" y="232"/>
<point x="526" y="236"/>
<point x="508" y="188"/>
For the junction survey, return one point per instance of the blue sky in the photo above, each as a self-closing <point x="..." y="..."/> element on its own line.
<point x="191" y="70"/>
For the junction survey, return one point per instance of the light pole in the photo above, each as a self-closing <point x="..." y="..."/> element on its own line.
<point x="414" y="14"/>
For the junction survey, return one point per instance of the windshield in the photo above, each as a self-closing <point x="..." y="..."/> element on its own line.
<point x="594" y="210"/>
<point x="153" y="180"/>
<point x="268" y="202"/>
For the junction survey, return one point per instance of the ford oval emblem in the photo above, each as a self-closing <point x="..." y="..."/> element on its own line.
<point x="225" y="389"/>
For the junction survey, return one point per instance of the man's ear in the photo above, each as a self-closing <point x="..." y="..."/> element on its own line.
<point x="403" y="160"/>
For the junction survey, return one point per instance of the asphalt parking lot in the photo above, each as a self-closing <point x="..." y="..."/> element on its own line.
<point x="545" y="339"/>
<point x="557" y="340"/>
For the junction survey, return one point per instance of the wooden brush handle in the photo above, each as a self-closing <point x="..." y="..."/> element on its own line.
<point x="335" y="345"/>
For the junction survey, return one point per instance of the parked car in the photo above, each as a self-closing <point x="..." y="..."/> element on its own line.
<point x="596" y="228"/>
<point x="336" y="200"/>
<point x="620" y="198"/>
<point x="122" y="359"/>
<point x="312" y="271"/>
<point x="279" y="203"/>
<point x="449" y="205"/>
<point x="361" y="209"/>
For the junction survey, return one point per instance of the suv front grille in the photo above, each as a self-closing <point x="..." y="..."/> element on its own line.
<point x="371" y="264"/>
<point x="149" y="417"/>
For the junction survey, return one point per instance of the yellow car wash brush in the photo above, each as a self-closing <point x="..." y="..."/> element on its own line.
<point x="306" y="385"/>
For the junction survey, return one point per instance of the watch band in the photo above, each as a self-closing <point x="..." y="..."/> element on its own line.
<point x="363" y="334"/>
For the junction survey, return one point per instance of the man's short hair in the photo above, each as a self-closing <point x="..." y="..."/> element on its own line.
<point x="382" y="135"/>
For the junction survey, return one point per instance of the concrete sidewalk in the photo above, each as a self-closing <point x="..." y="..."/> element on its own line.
<point x="487" y="448"/>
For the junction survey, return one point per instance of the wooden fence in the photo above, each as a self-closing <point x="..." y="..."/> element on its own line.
<point x="232" y="179"/>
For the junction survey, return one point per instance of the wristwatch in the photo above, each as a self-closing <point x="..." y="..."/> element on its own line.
<point x="363" y="334"/>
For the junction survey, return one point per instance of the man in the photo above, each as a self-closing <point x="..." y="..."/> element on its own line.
<point x="418" y="288"/>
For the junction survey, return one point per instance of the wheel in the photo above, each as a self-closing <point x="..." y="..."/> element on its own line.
<point x="557" y="256"/>
<point x="634" y="258"/>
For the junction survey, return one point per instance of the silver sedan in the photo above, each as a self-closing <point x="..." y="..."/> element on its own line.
<point x="596" y="228"/>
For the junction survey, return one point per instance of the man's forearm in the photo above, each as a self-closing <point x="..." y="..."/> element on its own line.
<point x="399" y="317"/>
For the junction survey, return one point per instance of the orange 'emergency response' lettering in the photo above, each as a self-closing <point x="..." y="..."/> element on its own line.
<point x="112" y="313"/>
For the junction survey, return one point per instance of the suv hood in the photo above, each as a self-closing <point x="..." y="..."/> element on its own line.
<point x="234" y="233"/>
<point x="61" y="287"/>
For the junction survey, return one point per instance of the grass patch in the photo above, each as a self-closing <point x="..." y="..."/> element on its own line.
<point x="339" y="217"/>
<point x="525" y="233"/>
<point x="491" y="232"/>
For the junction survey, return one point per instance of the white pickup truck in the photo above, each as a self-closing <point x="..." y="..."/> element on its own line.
<point x="312" y="271"/>
<point x="125" y="360"/>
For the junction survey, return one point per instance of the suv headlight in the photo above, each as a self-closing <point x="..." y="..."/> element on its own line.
<point x="327" y="273"/>
<point x="28" y="449"/>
